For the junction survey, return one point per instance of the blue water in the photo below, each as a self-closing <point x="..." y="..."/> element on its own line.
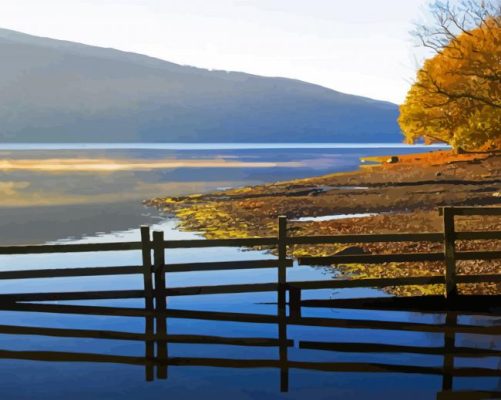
<point x="211" y="146"/>
<point x="79" y="203"/>
<point x="81" y="380"/>
<point x="92" y="219"/>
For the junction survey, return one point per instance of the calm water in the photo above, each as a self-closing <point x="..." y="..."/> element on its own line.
<point x="28" y="379"/>
<point x="81" y="189"/>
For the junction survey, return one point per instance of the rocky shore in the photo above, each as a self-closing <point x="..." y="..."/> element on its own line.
<point x="399" y="193"/>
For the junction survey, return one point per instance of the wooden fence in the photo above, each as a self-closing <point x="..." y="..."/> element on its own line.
<point x="154" y="269"/>
<point x="155" y="293"/>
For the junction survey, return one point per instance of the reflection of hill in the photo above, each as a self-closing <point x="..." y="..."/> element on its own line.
<point x="79" y="220"/>
<point x="61" y="91"/>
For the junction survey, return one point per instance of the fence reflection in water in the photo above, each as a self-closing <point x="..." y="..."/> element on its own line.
<point x="159" y="359"/>
<point x="156" y="312"/>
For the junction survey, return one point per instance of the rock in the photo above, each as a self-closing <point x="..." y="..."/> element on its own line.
<point x="392" y="160"/>
<point x="352" y="250"/>
<point x="438" y="174"/>
<point x="315" y="192"/>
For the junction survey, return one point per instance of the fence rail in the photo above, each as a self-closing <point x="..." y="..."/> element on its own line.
<point x="155" y="293"/>
<point x="154" y="268"/>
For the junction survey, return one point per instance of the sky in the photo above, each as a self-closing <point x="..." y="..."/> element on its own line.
<point x="360" y="47"/>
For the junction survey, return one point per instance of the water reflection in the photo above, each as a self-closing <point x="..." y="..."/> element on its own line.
<point x="217" y="346"/>
<point x="295" y="353"/>
<point x="246" y="345"/>
<point x="79" y="190"/>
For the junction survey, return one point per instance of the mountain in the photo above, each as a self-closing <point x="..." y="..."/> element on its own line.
<point x="59" y="91"/>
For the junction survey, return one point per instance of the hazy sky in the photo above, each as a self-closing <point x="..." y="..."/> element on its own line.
<point x="354" y="46"/>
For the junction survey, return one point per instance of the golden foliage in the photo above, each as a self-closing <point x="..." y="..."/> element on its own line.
<point x="456" y="98"/>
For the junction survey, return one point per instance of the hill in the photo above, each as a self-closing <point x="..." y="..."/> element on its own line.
<point x="59" y="91"/>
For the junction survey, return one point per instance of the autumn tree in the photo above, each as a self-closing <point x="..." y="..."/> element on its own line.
<point x="456" y="98"/>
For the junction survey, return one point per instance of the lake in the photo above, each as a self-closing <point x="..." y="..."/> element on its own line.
<point x="83" y="189"/>
<point x="92" y="193"/>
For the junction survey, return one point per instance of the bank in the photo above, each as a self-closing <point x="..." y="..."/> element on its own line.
<point x="397" y="194"/>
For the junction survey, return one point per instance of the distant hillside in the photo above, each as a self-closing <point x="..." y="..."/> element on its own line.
<point x="57" y="91"/>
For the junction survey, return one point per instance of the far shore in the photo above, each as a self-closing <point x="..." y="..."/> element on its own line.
<point x="398" y="194"/>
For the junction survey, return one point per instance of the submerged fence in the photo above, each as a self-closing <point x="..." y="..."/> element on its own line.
<point x="154" y="269"/>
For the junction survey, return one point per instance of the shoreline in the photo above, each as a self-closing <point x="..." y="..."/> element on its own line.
<point x="403" y="191"/>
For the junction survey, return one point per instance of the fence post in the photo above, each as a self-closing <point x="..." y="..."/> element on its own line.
<point x="449" y="253"/>
<point x="282" y="252"/>
<point x="161" y="303"/>
<point x="295" y="302"/>
<point x="282" y="290"/>
<point x="451" y="320"/>
<point x="148" y="299"/>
